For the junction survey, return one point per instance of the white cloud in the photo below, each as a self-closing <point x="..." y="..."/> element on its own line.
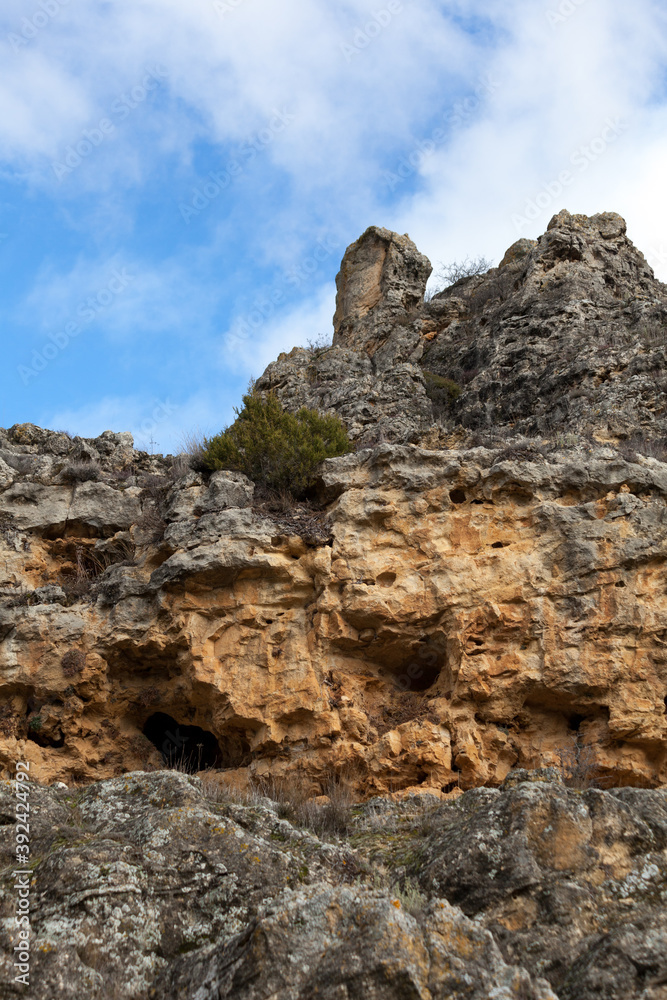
<point x="125" y="296"/>
<point x="558" y="88"/>
<point x="362" y="99"/>
<point x="253" y="342"/>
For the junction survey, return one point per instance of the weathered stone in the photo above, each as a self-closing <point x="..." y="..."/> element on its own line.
<point x="381" y="283"/>
<point x="143" y="886"/>
<point x="429" y="645"/>
<point x="569" y="333"/>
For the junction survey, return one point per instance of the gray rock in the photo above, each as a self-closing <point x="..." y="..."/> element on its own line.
<point x="144" y="886"/>
<point x="569" y="333"/>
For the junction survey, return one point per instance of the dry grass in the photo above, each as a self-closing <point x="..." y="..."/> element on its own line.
<point x="152" y="523"/>
<point x="294" y="800"/>
<point x="193" y="449"/>
<point x="81" y="472"/>
<point x="412" y="705"/>
<point x="638" y="444"/>
<point x="91" y="563"/>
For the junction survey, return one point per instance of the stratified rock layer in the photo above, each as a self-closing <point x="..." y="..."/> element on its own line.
<point x="448" y="616"/>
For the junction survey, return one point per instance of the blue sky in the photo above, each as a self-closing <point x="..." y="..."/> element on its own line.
<point x="178" y="182"/>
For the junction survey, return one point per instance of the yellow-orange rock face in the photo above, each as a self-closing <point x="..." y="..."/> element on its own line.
<point x="467" y="616"/>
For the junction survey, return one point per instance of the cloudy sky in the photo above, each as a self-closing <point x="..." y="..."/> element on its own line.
<point x="178" y="181"/>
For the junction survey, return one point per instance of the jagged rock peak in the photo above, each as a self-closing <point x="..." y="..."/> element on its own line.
<point x="382" y="278"/>
<point x="607" y="224"/>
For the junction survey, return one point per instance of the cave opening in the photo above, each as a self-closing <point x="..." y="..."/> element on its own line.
<point x="425" y="678"/>
<point x="574" y="722"/>
<point x="187" y="748"/>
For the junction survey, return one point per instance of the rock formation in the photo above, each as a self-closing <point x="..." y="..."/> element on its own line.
<point x="154" y="885"/>
<point x="475" y="593"/>
<point x="567" y="334"/>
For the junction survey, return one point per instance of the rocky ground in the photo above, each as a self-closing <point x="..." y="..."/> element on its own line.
<point x="476" y="592"/>
<point x="156" y="885"/>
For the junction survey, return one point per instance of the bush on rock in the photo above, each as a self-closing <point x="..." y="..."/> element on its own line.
<point x="276" y="449"/>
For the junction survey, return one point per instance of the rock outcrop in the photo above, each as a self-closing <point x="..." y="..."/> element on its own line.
<point x="447" y="616"/>
<point x="157" y="885"/>
<point x="567" y="334"/>
<point x="468" y="611"/>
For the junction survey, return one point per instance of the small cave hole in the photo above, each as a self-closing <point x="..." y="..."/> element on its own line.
<point x="425" y="679"/>
<point x="457" y="496"/>
<point x="185" y="748"/>
<point x="574" y="722"/>
<point x="53" y="742"/>
<point x="386" y="579"/>
<point x="499" y="545"/>
<point x="422" y="671"/>
<point x="619" y="583"/>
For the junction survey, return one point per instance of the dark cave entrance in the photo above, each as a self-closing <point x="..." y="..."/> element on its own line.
<point x="188" y="748"/>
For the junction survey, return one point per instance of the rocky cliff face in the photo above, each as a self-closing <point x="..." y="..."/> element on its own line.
<point x="439" y="615"/>
<point x="477" y="589"/>
<point x="567" y="334"/>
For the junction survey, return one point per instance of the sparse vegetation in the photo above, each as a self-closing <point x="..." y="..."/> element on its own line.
<point x="653" y="332"/>
<point x="73" y="662"/>
<point x="191" y="457"/>
<point x="320" y="345"/>
<point x="277" y="449"/>
<point x="638" y="444"/>
<point x="154" y="492"/>
<point x="458" y="270"/>
<point x="442" y="392"/>
<point x="577" y="764"/>
<point x="90" y="563"/>
<point x="81" y="472"/>
<point x="296" y="802"/>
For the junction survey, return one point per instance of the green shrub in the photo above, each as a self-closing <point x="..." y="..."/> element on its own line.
<point x="276" y="449"/>
<point x="441" y="391"/>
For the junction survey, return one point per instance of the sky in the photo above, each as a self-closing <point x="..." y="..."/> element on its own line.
<point x="179" y="181"/>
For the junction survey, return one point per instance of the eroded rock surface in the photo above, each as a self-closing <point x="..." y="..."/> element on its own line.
<point x="473" y="598"/>
<point x="568" y="334"/>
<point x="444" y="617"/>
<point x="154" y="885"/>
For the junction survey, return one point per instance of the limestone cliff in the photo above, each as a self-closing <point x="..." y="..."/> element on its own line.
<point x="478" y="587"/>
